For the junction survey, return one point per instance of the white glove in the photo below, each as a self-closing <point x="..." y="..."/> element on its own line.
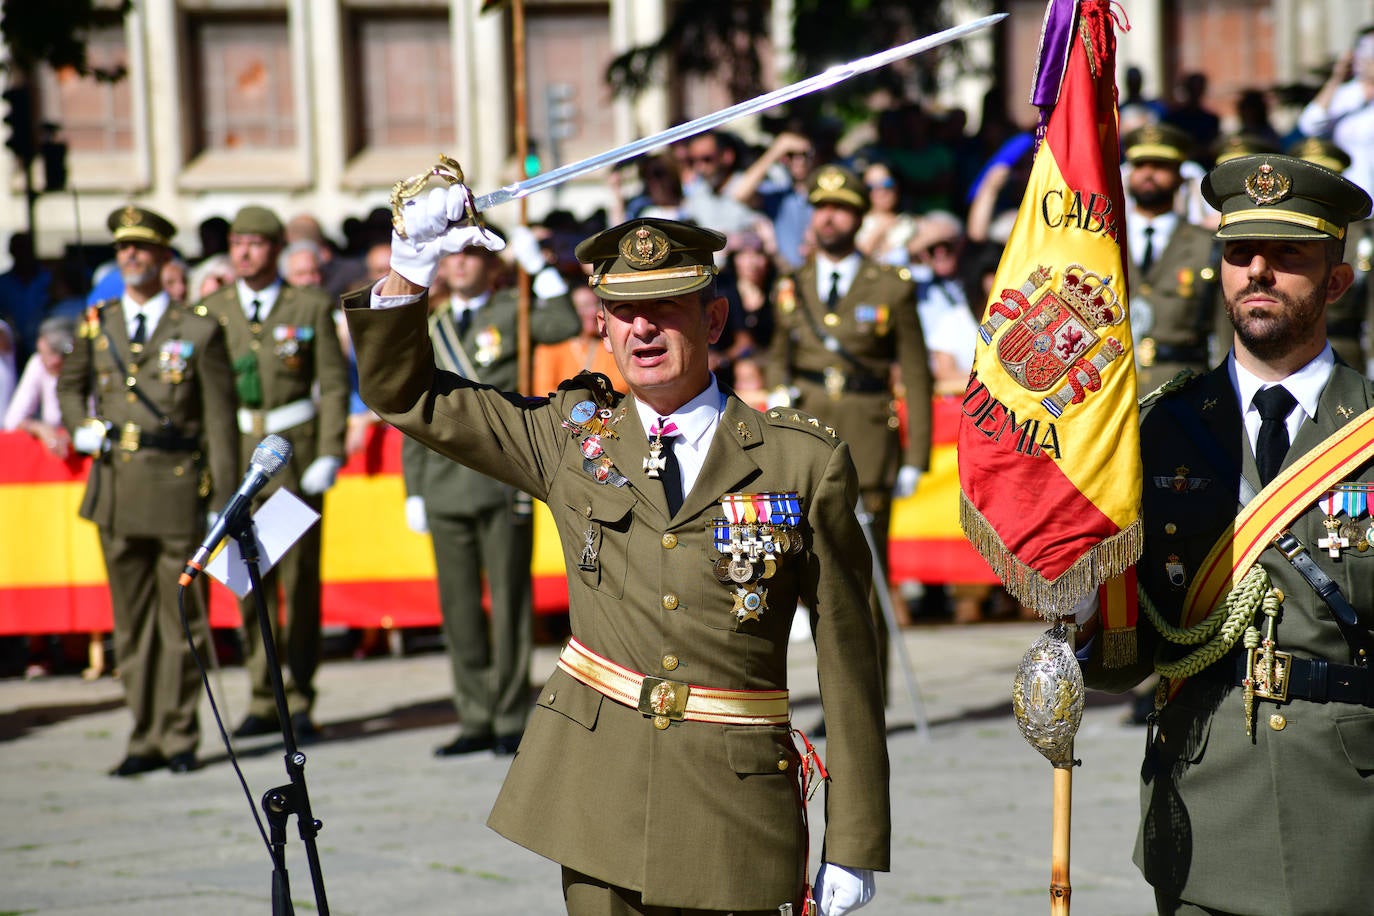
<point x="548" y="283"/>
<point x="434" y="228"/>
<point x="840" y="890"/>
<point x="319" y="476"/>
<point x="89" y="439"/>
<point x="210" y="518"/>
<point x="907" y="478"/>
<point x="780" y="396"/>
<point x="526" y="251"/>
<point x="415" y="515"/>
<point x="1086" y="608"/>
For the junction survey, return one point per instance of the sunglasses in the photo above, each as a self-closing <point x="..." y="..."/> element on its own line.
<point x="882" y="184"/>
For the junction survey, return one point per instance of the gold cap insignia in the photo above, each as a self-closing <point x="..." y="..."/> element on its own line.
<point x="1267" y="185"/>
<point x="129" y="216"/>
<point x="830" y="181"/>
<point x="645" y="248"/>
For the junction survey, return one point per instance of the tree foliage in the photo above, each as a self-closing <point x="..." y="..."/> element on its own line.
<point x="723" y="37"/>
<point x="55" y="32"/>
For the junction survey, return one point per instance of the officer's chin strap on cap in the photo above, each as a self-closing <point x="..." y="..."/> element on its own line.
<point x="810" y="775"/>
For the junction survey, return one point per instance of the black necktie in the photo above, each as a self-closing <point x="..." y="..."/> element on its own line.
<point x="672" y="472"/>
<point x="833" y="298"/>
<point x="140" y="332"/>
<point x="257" y="313"/>
<point x="463" y="321"/>
<point x="1274" y="404"/>
<point x="1147" y="257"/>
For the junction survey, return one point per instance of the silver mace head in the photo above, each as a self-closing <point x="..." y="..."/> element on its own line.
<point x="1047" y="696"/>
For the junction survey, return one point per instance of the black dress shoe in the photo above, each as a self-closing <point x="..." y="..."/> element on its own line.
<point x="256" y="725"/>
<point x="506" y="745"/>
<point x="184" y="762"/>
<point x="466" y="744"/>
<point x="138" y="763"/>
<point x="303" y="727"/>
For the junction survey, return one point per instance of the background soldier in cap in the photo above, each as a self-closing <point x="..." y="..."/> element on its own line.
<point x="482" y="528"/>
<point x="293" y="382"/>
<point x="161" y="430"/>
<point x="844" y="323"/>
<point x="1173" y="273"/>
<point x="1255" y="796"/>
<point x="1350" y="319"/>
<point x="691" y="526"/>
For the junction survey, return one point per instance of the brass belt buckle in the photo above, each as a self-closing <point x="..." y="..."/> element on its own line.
<point x="663" y="699"/>
<point x="834" y="382"/>
<point x="128" y="437"/>
<point x="1268" y="670"/>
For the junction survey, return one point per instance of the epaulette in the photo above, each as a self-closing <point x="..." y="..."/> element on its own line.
<point x="791" y="418"/>
<point x="595" y="383"/>
<point x="1178" y="383"/>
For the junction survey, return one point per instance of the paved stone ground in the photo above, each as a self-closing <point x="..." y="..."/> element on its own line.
<point x="404" y="833"/>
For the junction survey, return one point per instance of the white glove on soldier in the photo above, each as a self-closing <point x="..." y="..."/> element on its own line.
<point x="434" y="228"/>
<point x="841" y="890"/>
<point x="779" y="397"/>
<point x="524" y="247"/>
<point x="907" y="478"/>
<point x="88" y="439"/>
<point x="415" y="515"/>
<point x="320" y="474"/>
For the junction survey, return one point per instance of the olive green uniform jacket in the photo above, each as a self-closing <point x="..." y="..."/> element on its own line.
<point x="1281" y="822"/>
<point x="874" y="327"/>
<point x="1176" y="307"/>
<point x="695" y="815"/>
<point x="1350" y="319"/>
<point x="149" y="498"/>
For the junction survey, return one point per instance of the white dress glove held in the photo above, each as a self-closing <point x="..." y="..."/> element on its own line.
<point x="319" y="476"/>
<point x="415" y="515"/>
<point x="841" y="890"/>
<point x="433" y="229"/>
<point x="907" y="478"/>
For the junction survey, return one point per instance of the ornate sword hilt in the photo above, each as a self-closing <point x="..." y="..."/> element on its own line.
<point x="406" y="189"/>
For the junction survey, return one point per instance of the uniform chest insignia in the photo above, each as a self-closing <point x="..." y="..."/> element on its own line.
<point x="750" y="602"/>
<point x="488" y="349"/>
<point x="1173" y="568"/>
<point x="754" y="534"/>
<point x="1352" y="501"/>
<point x="586" y="419"/>
<point x="1345" y="412"/>
<point x="172" y="358"/>
<point x="1181" y="482"/>
<point x="1209" y="403"/>
<point x="787" y="296"/>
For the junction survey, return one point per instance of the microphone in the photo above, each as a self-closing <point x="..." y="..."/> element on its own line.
<point x="268" y="459"/>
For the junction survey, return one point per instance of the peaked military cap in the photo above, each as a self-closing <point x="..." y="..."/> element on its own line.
<point x="650" y="259"/>
<point x="1157" y="143"/>
<point x="1237" y="145"/>
<point x="255" y="220"/>
<point x="139" y="224"/>
<point x="835" y="184"/>
<point x="1320" y="151"/>
<point x="1280" y="197"/>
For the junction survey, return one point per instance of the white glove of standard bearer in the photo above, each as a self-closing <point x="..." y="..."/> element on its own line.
<point x="435" y="227"/>
<point x="319" y="475"/>
<point x="839" y="890"/>
<point x="416" y="520"/>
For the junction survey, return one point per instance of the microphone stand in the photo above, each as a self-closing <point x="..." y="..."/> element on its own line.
<point x="283" y="801"/>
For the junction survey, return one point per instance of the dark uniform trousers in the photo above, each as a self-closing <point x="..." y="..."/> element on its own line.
<point x="873" y="327"/>
<point x="293" y="355"/>
<point x="148" y="499"/>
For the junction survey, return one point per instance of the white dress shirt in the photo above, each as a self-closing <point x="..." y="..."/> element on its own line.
<point x="1305" y="386"/>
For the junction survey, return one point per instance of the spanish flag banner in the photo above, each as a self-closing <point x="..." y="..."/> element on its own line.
<point x="1049" y="457"/>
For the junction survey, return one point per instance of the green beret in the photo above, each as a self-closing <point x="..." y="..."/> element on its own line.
<point x="1280" y="197"/>
<point x="650" y="259"/>
<point x="1321" y="151"/>
<point x="139" y="224"/>
<point x="254" y="220"/>
<point x="1157" y="143"/>
<point x="1238" y="145"/>
<point x="834" y="184"/>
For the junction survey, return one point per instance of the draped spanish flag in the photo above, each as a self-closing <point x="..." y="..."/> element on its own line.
<point x="1049" y="457"/>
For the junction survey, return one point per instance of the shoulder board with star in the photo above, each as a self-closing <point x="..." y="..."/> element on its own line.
<point x="1174" y="385"/>
<point x="791" y="418"/>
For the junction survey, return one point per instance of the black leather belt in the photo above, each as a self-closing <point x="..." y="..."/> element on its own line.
<point x="1166" y="353"/>
<point x="1312" y="679"/>
<point x="863" y="384"/>
<point x="168" y="443"/>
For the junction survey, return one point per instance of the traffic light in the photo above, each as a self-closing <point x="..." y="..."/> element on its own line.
<point x="19" y="118"/>
<point x="562" y="110"/>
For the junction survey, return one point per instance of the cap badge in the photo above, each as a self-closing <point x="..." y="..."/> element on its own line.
<point x="129" y="216"/>
<point x="830" y="180"/>
<point x="1267" y="185"/>
<point x="644" y="248"/>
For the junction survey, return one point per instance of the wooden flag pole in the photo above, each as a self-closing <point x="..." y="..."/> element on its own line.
<point x="1060" y="888"/>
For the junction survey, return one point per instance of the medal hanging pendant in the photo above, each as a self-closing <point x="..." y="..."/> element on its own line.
<point x="655" y="462"/>
<point x="750" y="603"/>
<point x="741" y="570"/>
<point x="587" y="561"/>
<point x="1333" y="543"/>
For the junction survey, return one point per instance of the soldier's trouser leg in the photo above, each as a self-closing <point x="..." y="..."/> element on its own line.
<point x="1168" y="905"/>
<point x="507" y="545"/>
<point x="156" y="667"/>
<point x="458" y="564"/>
<point x="587" y="896"/>
<point x="297" y="640"/>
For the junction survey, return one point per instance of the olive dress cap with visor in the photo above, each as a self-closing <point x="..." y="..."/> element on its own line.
<point x="255" y="220"/>
<point x="835" y="184"/>
<point x="1156" y="143"/>
<point x="1280" y="197"/>
<point x="650" y="259"/>
<point x="1237" y="145"/>
<point x="1321" y="151"/>
<point x="138" y="224"/>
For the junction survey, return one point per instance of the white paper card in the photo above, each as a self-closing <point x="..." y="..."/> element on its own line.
<point x="277" y="525"/>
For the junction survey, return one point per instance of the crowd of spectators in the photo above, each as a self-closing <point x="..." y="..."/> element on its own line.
<point x="943" y="200"/>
